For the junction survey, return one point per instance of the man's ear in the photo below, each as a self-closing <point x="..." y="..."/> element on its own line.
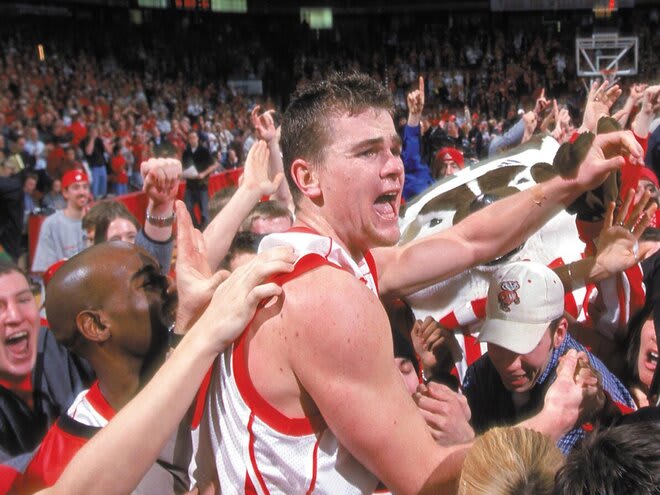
<point x="93" y="326"/>
<point x="560" y="333"/>
<point x="306" y="178"/>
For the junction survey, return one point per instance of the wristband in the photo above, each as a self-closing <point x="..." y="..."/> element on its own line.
<point x="161" y="221"/>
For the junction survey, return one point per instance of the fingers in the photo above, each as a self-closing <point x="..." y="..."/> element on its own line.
<point x="184" y="229"/>
<point x="609" y="214"/>
<point x="421" y="87"/>
<point x="624" y="211"/>
<point x="643" y="223"/>
<point x="620" y="143"/>
<point x="567" y="365"/>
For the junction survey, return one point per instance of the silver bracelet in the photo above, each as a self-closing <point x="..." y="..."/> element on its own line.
<point x="161" y="221"/>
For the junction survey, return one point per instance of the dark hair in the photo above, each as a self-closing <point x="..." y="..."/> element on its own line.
<point x="7" y="267"/>
<point x="244" y="242"/>
<point x="619" y="460"/>
<point x="101" y="215"/>
<point x="305" y="122"/>
<point x="402" y="320"/>
<point x="635" y="325"/>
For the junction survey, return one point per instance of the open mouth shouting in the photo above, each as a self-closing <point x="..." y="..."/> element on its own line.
<point x="387" y="205"/>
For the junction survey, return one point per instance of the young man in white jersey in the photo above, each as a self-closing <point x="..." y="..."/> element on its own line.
<point x="308" y="399"/>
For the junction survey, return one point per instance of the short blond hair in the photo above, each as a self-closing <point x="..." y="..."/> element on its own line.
<point x="510" y="461"/>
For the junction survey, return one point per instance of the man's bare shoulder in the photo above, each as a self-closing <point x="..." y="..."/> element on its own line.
<point x="330" y="306"/>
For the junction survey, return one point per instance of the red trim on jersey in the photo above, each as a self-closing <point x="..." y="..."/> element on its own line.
<point x="98" y="402"/>
<point x="371" y="263"/>
<point x="44" y="322"/>
<point x="304" y="264"/>
<point x="8" y="476"/>
<point x="314" y="466"/>
<point x="260" y="406"/>
<point x="249" y="488"/>
<point x="253" y="458"/>
<point x="200" y="400"/>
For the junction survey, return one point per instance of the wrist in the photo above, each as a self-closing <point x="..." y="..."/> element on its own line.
<point x="160" y="220"/>
<point x="163" y="209"/>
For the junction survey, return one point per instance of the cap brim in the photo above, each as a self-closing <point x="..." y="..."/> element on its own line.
<point x="520" y="338"/>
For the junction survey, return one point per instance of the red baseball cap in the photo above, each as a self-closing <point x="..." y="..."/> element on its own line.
<point x="73" y="176"/>
<point x="448" y="153"/>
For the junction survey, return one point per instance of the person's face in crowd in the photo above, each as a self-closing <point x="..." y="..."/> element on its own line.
<point x="265" y="225"/>
<point x="19" y="327"/>
<point x="121" y="229"/>
<point x="647" y="359"/>
<point x="77" y="195"/>
<point x="140" y="303"/>
<point x="520" y="372"/>
<point x="70" y="154"/>
<point x="407" y="370"/>
<point x="645" y="185"/>
<point x="451" y="167"/>
<point x="193" y="140"/>
<point x="231" y="156"/>
<point x="362" y="162"/>
<point x="29" y="185"/>
<point x="57" y="186"/>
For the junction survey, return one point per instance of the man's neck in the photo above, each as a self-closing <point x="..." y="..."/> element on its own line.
<point x="73" y="212"/>
<point x="321" y="226"/>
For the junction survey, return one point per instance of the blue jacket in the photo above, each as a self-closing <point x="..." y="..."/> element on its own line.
<point x="418" y="174"/>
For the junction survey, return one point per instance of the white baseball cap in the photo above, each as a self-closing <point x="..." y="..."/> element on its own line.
<point x="523" y="298"/>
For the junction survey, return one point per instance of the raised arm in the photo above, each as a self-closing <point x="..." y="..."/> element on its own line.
<point x="617" y="244"/>
<point x="255" y="183"/>
<point x="599" y="101"/>
<point x="264" y="126"/>
<point x="650" y="106"/>
<point x="500" y="227"/>
<point x="130" y="439"/>
<point x="636" y="92"/>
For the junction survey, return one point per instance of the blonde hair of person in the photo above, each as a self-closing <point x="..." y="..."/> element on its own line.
<point x="510" y="461"/>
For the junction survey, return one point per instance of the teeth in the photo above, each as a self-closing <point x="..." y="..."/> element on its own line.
<point x="653" y="356"/>
<point x="16" y="337"/>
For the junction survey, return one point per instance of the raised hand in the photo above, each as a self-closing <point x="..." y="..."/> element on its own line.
<point x="161" y="179"/>
<point x="542" y="103"/>
<point x="264" y="125"/>
<point x="195" y="280"/>
<point x="617" y="245"/>
<point x="576" y="395"/>
<point x="651" y="99"/>
<point x="637" y="91"/>
<point x="236" y="299"/>
<point x="599" y="101"/>
<point x="415" y="101"/>
<point x="256" y="173"/>
<point x="605" y="155"/>
<point x="446" y="413"/>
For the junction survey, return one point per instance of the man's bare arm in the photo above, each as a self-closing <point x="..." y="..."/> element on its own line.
<point x="344" y="361"/>
<point x="500" y="227"/>
<point x="255" y="183"/>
